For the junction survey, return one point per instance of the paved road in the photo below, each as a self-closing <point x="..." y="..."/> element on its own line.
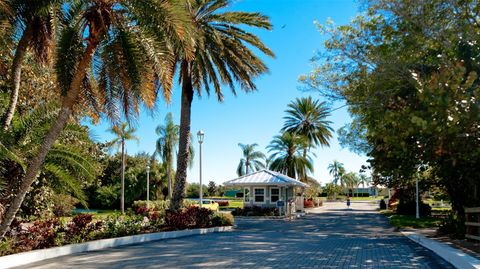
<point x="329" y="237"/>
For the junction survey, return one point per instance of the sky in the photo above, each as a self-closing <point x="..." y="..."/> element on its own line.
<point x="257" y="117"/>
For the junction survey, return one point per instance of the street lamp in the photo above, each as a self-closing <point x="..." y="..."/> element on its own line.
<point x="200" y="136"/>
<point x="417" y="209"/>
<point x="148" y="183"/>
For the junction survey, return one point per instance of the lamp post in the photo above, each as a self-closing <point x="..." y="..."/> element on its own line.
<point x="200" y="136"/>
<point x="148" y="184"/>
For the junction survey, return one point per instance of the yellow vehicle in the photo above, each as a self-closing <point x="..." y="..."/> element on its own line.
<point x="210" y="204"/>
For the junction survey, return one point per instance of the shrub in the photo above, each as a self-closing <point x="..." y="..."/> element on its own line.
<point x="115" y="226"/>
<point x="42" y="234"/>
<point x="409" y="208"/>
<point x="222" y="219"/>
<point x="223" y="203"/>
<point x="452" y="225"/>
<point x="107" y="196"/>
<point x="191" y="217"/>
<point x="255" y="211"/>
<point x="383" y="205"/>
<point x="308" y="203"/>
<point x="82" y="228"/>
<point x="63" y="205"/>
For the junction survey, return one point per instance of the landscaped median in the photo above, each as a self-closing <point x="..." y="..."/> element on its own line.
<point x="55" y="237"/>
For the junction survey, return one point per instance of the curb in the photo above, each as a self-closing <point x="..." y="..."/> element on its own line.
<point x="43" y="254"/>
<point x="456" y="257"/>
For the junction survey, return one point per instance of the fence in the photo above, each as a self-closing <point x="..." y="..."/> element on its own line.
<point x="472" y="223"/>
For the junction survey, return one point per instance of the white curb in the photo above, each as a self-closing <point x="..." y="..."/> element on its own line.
<point x="456" y="257"/>
<point x="43" y="254"/>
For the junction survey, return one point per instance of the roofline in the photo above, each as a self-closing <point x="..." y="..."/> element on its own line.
<point x="273" y="173"/>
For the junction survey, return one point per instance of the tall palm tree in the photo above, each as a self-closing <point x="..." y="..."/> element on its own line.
<point x="251" y="159"/>
<point x="110" y="54"/>
<point x="351" y="180"/>
<point x="166" y="145"/>
<point x="122" y="134"/>
<point x="222" y="55"/>
<point x="33" y="22"/>
<point x="308" y="117"/>
<point x="335" y="169"/>
<point x="287" y="156"/>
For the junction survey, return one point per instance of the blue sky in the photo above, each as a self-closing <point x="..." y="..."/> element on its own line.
<point x="257" y="117"/>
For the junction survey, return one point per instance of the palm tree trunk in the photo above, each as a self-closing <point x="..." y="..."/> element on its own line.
<point x="122" y="197"/>
<point x="16" y="77"/>
<point x="69" y="100"/>
<point x="169" y="180"/>
<point x="246" y="166"/>
<point x="184" y="139"/>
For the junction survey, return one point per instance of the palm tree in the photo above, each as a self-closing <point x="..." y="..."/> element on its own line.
<point x="165" y="147"/>
<point x="307" y="118"/>
<point x="34" y="21"/>
<point x="222" y="55"/>
<point x="351" y="180"/>
<point x="122" y="134"/>
<point x="251" y="159"/>
<point x="68" y="165"/>
<point x="335" y="169"/>
<point x="287" y="156"/>
<point x="110" y="54"/>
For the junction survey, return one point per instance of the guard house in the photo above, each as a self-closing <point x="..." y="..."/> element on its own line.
<point x="264" y="188"/>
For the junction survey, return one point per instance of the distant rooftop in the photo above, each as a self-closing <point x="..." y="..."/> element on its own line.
<point x="265" y="177"/>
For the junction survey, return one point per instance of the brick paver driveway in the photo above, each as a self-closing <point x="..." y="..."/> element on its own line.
<point x="330" y="237"/>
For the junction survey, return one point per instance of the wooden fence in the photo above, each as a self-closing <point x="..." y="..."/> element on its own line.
<point x="472" y="223"/>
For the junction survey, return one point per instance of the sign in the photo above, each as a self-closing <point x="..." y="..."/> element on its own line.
<point x="280" y="203"/>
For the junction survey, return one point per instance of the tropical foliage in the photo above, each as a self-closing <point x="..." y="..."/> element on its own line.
<point x="223" y="55"/>
<point x="252" y="159"/>
<point x="412" y="87"/>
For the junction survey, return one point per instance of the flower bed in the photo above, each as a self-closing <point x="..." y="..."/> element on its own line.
<point x="82" y="228"/>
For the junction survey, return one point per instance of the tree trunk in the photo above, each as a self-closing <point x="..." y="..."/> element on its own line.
<point x="16" y="77"/>
<point x="69" y="100"/>
<point x="246" y="166"/>
<point x="184" y="139"/>
<point x="169" y="180"/>
<point x="122" y="196"/>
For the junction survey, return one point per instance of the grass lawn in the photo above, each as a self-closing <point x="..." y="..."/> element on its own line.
<point x="370" y="198"/>
<point x="233" y="204"/>
<point x="401" y="221"/>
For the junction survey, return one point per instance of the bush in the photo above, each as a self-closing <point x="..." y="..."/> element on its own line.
<point x="256" y="211"/>
<point x="453" y="226"/>
<point x="308" y="203"/>
<point x="383" y="205"/>
<point x="223" y="203"/>
<point x="107" y="196"/>
<point x="42" y="234"/>
<point x="115" y="226"/>
<point x="82" y="228"/>
<point x="409" y="208"/>
<point x="222" y="219"/>
<point x="63" y="205"/>
<point x="160" y="206"/>
<point x="189" y="218"/>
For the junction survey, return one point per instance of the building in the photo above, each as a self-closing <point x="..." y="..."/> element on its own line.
<point x="264" y="188"/>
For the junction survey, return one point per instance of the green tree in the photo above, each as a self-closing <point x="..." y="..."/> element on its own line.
<point x="212" y="188"/>
<point x="252" y="159"/>
<point x="412" y="85"/>
<point x="165" y="147"/>
<point x="122" y="134"/>
<point x="223" y="55"/>
<point x="287" y="156"/>
<point x="336" y="169"/>
<point x="166" y="144"/>
<point x="308" y="118"/>
<point x="131" y="42"/>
